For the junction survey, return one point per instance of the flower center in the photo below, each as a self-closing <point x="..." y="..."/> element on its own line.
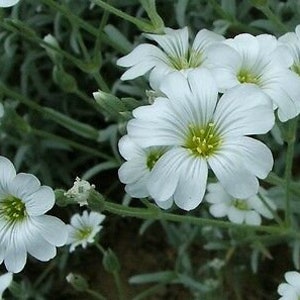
<point x="246" y="77"/>
<point x="203" y="141"/>
<point x="84" y="233"/>
<point x="192" y="59"/>
<point x="12" y="209"/>
<point x="152" y="157"/>
<point x="296" y="68"/>
<point x="240" y="204"/>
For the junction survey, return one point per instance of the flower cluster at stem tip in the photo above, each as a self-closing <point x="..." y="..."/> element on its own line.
<point x="213" y="97"/>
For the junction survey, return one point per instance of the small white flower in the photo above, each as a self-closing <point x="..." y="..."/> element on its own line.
<point x="83" y="229"/>
<point x="5" y="281"/>
<point x="259" y="61"/>
<point x="237" y="210"/>
<point x="7" y="3"/>
<point x="24" y="227"/>
<point x="291" y="289"/>
<point x="203" y="132"/>
<point x="174" y="54"/>
<point x="80" y="191"/>
<point x="136" y="170"/>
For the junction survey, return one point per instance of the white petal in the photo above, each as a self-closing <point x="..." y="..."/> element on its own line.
<point x="39" y="248"/>
<point x="252" y="218"/>
<point x="192" y="183"/>
<point x="220" y="55"/>
<point x="205" y="94"/>
<point x="219" y="210"/>
<point x="226" y="78"/>
<point x="217" y="194"/>
<point x="23" y="185"/>
<point x="143" y="52"/>
<point x="128" y="148"/>
<point x="175" y="42"/>
<point x="159" y="124"/>
<point x="256" y="156"/>
<point x="5" y="281"/>
<point x="283" y="288"/>
<point x="267" y="43"/>
<point x="16" y="257"/>
<point x="175" y="87"/>
<point x="247" y="46"/>
<point x="52" y="229"/>
<point x="165" y="204"/>
<point x="132" y="170"/>
<point x="244" y="110"/>
<point x="293" y="278"/>
<point x="235" y="215"/>
<point x="138" y="189"/>
<point x="7" y="3"/>
<point x="282" y="87"/>
<point x="204" y="38"/>
<point x="164" y="177"/>
<point x="40" y="201"/>
<point x="231" y="173"/>
<point x="7" y="172"/>
<point x="158" y="73"/>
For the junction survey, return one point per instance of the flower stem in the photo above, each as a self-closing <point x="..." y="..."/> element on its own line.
<point x="119" y="285"/>
<point x="141" y="24"/>
<point x="273" y="18"/>
<point x="290" y="138"/>
<point x="95" y="294"/>
<point x="154" y="213"/>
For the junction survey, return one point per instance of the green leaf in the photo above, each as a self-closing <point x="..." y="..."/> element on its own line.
<point x="164" y="276"/>
<point x="75" y="126"/>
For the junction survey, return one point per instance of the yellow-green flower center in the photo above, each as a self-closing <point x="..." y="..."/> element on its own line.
<point x="84" y="233"/>
<point x="296" y="68"/>
<point x="247" y="77"/>
<point x="12" y="209"/>
<point x="153" y="156"/>
<point x="240" y="204"/>
<point x="203" y="141"/>
<point x="192" y="59"/>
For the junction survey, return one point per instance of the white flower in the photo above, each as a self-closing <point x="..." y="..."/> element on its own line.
<point x="136" y="170"/>
<point x="259" y="61"/>
<point x="202" y="133"/>
<point x="174" y="54"/>
<point x="237" y="210"/>
<point x="5" y="281"/>
<point x="292" y="40"/>
<point x="291" y="289"/>
<point x="83" y="229"/>
<point x="23" y="225"/>
<point x="80" y="191"/>
<point x="7" y="3"/>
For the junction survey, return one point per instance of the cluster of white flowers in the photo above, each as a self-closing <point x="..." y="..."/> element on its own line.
<point x="24" y="227"/>
<point x="216" y="93"/>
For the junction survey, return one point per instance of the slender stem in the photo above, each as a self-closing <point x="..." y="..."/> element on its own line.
<point x="145" y="25"/>
<point x="272" y="211"/>
<point x="291" y="137"/>
<point x="95" y="294"/>
<point x="71" y="143"/>
<point x="148" y="292"/>
<point x="155" y="213"/>
<point x="101" y="82"/>
<point x="276" y="180"/>
<point x="273" y="18"/>
<point x="99" y="247"/>
<point x="44" y="274"/>
<point x="119" y="285"/>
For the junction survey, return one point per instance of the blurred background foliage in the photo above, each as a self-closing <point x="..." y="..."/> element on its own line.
<point x="53" y="56"/>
